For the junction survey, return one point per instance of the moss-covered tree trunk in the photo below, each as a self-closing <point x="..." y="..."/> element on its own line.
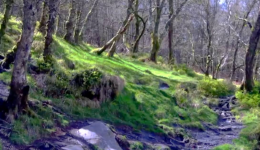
<point x="17" y="99"/>
<point x="70" y="25"/>
<point x="44" y="19"/>
<point x="7" y="16"/>
<point x="155" y="34"/>
<point x="250" y="56"/>
<point x="53" y="11"/>
<point x="155" y="47"/>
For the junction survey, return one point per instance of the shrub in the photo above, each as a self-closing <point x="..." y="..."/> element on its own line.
<point x="184" y="70"/>
<point x="215" y="88"/>
<point x="248" y="100"/>
<point x="88" y="78"/>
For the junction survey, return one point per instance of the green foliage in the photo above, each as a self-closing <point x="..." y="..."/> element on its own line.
<point x="44" y="66"/>
<point x="215" y="88"/>
<point x="1" y="145"/>
<point x="207" y="114"/>
<point x="88" y="78"/>
<point x="184" y="70"/>
<point x="250" y="100"/>
<point x="136" y="146"/>
<point x="225" y="147"/>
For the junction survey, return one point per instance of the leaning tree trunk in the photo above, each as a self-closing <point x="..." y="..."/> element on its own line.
<point x="17" y="99"/>
<point x="250" y="56"/>
<point x="53" y="6"/>
<point x="70" y="25"/>
<point x="44" y="19"/>
<point x="6" y="18"/>
<point x="116" y="38"/>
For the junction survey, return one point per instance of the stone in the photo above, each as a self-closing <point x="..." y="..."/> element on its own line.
<point x="107" y="89"/>
<point x="98" y="134"/>
<point x="225" y="129"/>
<point x="164" y="86"/>
<point x="122" y="141"/>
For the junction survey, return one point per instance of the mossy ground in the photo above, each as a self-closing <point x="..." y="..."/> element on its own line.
<point x="143" y="106"/>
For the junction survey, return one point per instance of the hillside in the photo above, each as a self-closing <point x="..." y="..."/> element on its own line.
<point x="167" y="101"/>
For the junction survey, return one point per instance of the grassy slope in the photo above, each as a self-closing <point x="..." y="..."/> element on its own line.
<point x="140" y="106"/>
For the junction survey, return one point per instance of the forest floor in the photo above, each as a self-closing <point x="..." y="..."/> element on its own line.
<point x="147" y="108"/>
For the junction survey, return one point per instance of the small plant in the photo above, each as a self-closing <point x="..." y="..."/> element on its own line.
<point x="44" y="66"/>
<point x="215" y="88"/>
<point x="184" y="70"/>
<point x="88" y="78"/>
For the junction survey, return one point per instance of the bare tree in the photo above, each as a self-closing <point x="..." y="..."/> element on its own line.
<point x="250" y="56"/>
<point x="7" y="16"/>
<point x="17" y="99"/>
<point x="53" y="11"/>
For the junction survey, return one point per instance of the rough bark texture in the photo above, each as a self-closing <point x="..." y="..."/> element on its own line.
<point x="70" y="25"/>
<point x="170" y="33"/>
<point x="250" y="56"/>
<point x="44" y="19"/>
<point x="7" y="16"/>
<point x="53" y="11"/>
<point x="17" y="100"/>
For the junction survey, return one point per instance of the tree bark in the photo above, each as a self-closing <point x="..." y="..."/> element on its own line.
<point x="44" y="19"/>
<point x="238" y="41"/>
<point x="53" y="11"/>
<point x="137" y="27"/>
<point x="83" y="27"/>
<point x="170" y="33"/>
<point x="250" y="56"/>
<point x="17" y="99"/>
<point x="70" y="25"/>
<point x="119" y="34"/>
<point x="7" y="16"/>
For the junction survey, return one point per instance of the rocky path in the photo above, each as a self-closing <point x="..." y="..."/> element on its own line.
<point x="90" y="135"/>
<point x="228" y="127"/>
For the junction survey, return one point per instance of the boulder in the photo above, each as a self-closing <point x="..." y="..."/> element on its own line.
<point x="107" y="89"/>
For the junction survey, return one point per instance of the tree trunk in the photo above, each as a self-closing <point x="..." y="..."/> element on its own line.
<point x="137" y="28"/>
<point x="7" y="16"/>
<point x="83" y="27"/>
<point x="170" y="33"/>
<point x="53" y="11"/>
<point x="44" y="19"/>
<point x="155" y="35"/>
<point x="155" y="48"/>
<point x="250" y="56"/>
<point x="17" y="99"/>
<point x="70" y="25"/>
<point x="117" y="37"/>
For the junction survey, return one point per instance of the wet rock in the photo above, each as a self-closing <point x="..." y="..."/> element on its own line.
<point x="164" y="86"/>
<point x="225" y="129"/>
<point x="97" y="133"/>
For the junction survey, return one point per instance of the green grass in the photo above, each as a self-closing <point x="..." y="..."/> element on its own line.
<point x="143" y="107"/>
